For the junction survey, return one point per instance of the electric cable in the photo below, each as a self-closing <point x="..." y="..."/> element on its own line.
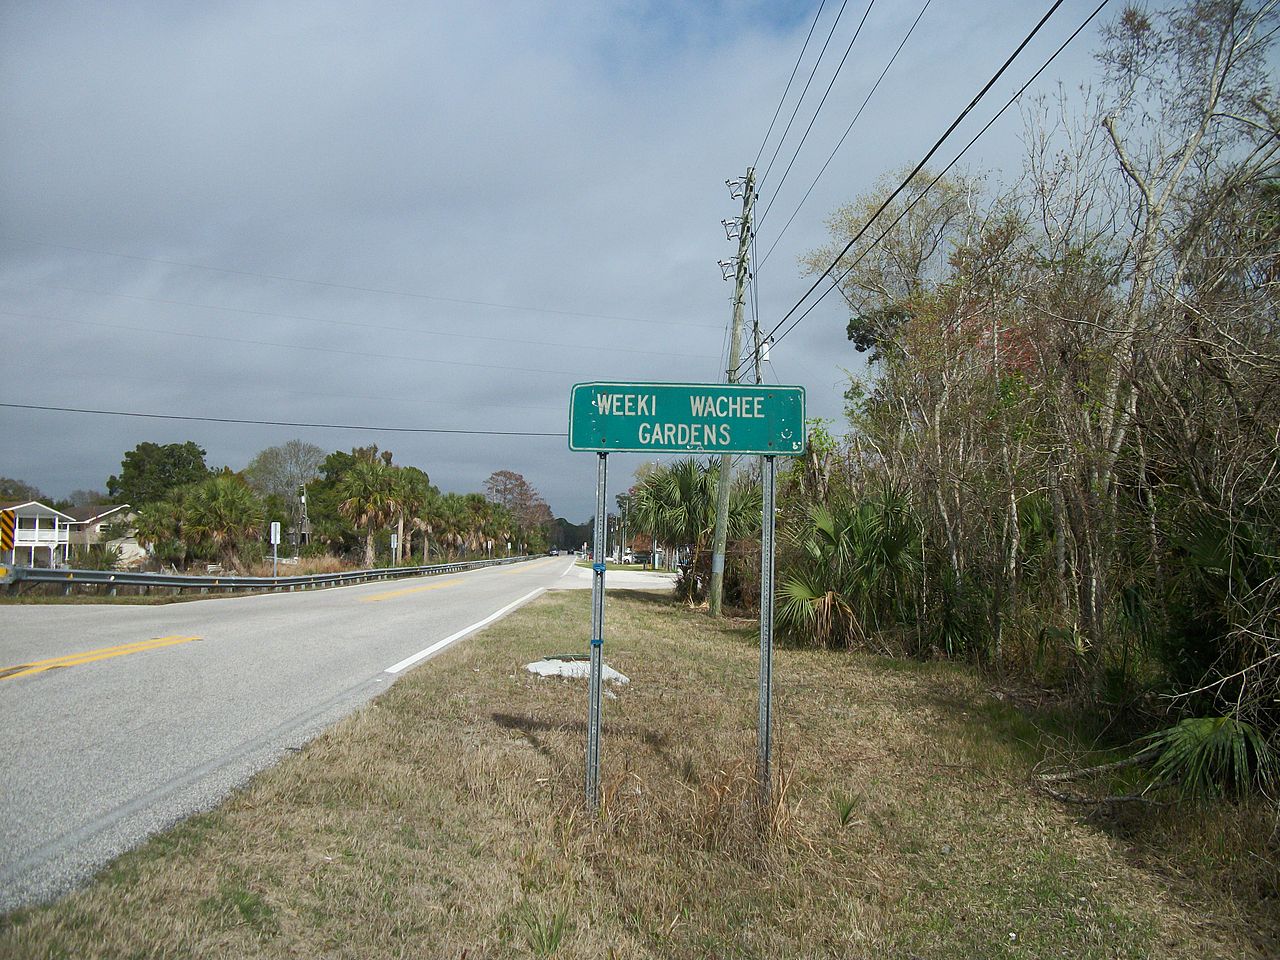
<point x="284" y="423"/>
<point x="787" y="88"/>
<point x="814" y="119"/>
<point x="821" y="53"/>
<point x="835" y="283"/>
<point x="842" y="139"/>
<point x="927" y="157"/>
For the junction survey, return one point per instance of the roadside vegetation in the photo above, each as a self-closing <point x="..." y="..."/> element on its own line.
<point x="1060" y="466"/>
<point x="190" y="517"/>
<point x="446" y="819"/>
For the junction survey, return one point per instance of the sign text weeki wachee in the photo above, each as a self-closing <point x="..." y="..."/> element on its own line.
<point x="687" y="417"/>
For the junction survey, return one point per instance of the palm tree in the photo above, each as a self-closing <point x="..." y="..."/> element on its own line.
<point x="851" y="570"/>
<point x="498" y="524"/>
<point x="369" y="498"/>
<point x="413" y="490"/>
<point x="451" y="522"/>
<point x="676" y="503"/>
<point x="225" y="514"/>
<point x="159" y="529"/>
<point x="476" y="509"/>
<point x="426" y="520"/>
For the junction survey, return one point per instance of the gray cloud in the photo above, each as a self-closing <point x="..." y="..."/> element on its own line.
<point x="568" y="156"/>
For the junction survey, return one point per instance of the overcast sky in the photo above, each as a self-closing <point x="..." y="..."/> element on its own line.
<point x="431" y="214"/>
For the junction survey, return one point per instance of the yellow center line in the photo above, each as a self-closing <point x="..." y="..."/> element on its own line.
<point x="89" y="656"/>
<point x="522" y="567"/>
<point x="376" y="597"/>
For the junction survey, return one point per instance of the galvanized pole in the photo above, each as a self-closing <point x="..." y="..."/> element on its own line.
<point x="765" y="735"/>
<point x="597" y="638"/>
<point x="720" y="537"/>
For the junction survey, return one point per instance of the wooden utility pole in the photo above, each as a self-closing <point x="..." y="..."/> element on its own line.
<point x="735" y="348"/>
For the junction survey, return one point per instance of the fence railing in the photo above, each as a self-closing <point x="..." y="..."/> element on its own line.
<point x="14" y="577"/>
<point x="27" y="537"/>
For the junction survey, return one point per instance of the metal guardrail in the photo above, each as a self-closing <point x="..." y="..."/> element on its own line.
<point x="14" y="577"/>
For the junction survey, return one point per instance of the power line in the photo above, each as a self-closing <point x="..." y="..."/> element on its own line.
<point x="835" y="283"/>
<point x="812" y="73"/>
<point x="787" y="88"/>
<point x="814" y="119"/>
<point x="364" y="326"/>
<point x="283" y="423"/>
<point x="347" y="286"/>
<point x="843" y="137"/>
<point x="920" y="166"/>
<point x="284" y="346"/>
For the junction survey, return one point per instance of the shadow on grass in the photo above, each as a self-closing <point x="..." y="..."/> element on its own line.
<point x="651" y="598"/>
<point x="531" y="727"/>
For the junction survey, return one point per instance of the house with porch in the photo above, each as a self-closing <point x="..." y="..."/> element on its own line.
<point x="41" y="534"/>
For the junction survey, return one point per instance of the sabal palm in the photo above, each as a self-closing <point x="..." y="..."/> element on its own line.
<point x="676" y="504"/>
<point x="452" y="522"/>
<point x="476" y="510"/>
<point x="426" y="520"/>
<point x="413" y="491"/>
<point x="498" y="524"/>
<point x="849" y="570"/>
<point x="223" y="513"/>
<point x="159" y="528"/>
<point x="369" y="498"/>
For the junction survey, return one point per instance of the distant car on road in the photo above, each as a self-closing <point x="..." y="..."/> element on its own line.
<point x="553" y="552"/>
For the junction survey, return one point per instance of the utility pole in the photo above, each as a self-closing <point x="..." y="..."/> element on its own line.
<point x="735" y="348"/>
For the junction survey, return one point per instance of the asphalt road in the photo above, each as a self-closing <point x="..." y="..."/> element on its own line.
<point x="153" y="724"/>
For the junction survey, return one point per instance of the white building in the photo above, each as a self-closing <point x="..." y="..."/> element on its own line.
<point x="41" y="534"/>
<point x="87" y="522"/>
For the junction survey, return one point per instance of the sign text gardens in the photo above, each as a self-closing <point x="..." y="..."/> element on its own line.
<point x="687" y="418"/>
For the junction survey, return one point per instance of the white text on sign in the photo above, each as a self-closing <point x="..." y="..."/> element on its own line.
<point x="646" y="405"/>
<point x="701" y="406"/>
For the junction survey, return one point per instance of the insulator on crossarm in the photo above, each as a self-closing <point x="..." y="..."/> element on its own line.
<point x="731" y="228"/>
<point x="728" y="268"/>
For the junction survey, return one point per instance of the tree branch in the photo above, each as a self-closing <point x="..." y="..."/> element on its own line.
<point x="1126" y="164"/>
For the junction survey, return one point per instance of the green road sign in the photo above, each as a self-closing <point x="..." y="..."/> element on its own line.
<point x="687" y="418"/>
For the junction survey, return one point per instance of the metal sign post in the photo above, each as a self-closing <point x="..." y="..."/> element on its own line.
<point x="597" y="639"/>
<point x="275" y="546"/>
<point x="688" y="418"/>
<point x="765" y="735"/>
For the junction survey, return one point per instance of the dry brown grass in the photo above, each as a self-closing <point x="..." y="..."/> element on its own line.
<point x="445" y="820"/>
<point x="304" y="567"/>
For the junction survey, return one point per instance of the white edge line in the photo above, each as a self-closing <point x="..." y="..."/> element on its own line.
<point x="465" y="631"/>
